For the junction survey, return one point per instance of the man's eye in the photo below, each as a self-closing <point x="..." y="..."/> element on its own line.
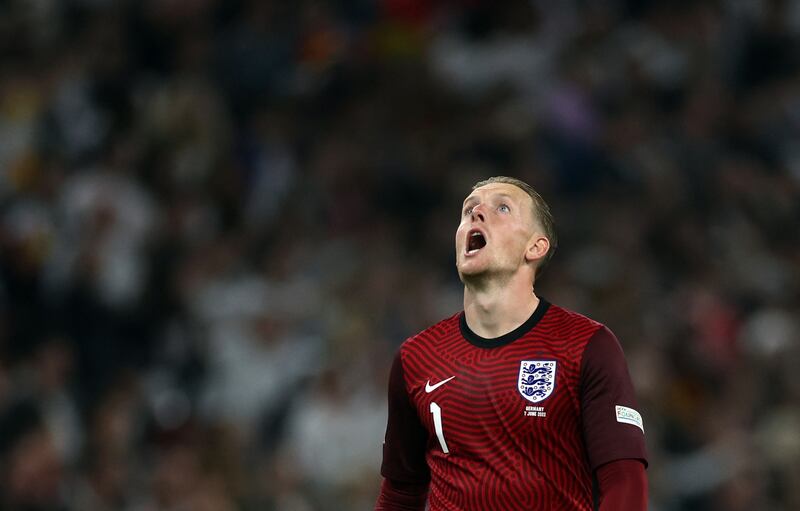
<point x="468" y="211"/>
<point x="503" y="208"/>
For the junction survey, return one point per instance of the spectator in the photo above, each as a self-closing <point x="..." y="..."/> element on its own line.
<point x="213" y="215"/>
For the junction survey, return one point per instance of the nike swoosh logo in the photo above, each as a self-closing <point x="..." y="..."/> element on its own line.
<point x="430" y="388"/>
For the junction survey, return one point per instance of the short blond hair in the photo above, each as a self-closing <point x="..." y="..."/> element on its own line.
<point x="541" y="213"/>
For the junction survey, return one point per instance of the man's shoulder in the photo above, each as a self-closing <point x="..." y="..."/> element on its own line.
<point x="442" y="330"/>
<point x="567" y="320"/>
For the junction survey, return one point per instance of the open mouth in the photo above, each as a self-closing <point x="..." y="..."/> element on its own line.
<point x="475" y="242"/>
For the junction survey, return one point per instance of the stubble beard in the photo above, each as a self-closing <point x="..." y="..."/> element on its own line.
<point x="486" y="279"/>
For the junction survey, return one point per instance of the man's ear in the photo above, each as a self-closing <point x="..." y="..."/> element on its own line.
<point x="537" y="248"/>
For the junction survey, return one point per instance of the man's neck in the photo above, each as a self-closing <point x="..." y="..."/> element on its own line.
<point x="495" y="310"/>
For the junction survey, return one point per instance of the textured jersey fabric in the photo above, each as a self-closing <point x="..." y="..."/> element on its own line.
<point x="513" y="423"/>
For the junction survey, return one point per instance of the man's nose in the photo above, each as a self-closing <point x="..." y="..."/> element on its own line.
<point x="478" y="213"/>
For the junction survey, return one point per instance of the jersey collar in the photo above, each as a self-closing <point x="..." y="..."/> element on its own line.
<point x="483" y="342"/>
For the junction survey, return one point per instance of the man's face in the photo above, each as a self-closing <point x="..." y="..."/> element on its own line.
<point x="496" y="226"/>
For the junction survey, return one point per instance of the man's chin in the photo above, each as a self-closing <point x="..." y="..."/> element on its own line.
<point x="467" y="272"/>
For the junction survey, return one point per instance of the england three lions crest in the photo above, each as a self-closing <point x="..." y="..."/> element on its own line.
<point x="537" y="379"/>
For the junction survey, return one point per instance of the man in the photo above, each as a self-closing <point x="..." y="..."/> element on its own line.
<point x="513" y="404"/>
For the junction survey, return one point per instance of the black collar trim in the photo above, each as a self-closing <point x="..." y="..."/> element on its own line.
<point x="511" y="336"/>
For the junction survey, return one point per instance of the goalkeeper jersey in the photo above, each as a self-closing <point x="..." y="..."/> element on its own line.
<point x="517" y="422"/>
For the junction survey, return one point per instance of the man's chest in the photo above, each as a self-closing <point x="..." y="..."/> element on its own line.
<point x="471" y="400"/>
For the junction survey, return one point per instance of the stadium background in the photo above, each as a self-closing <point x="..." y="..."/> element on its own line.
<point x="219" y="219"/>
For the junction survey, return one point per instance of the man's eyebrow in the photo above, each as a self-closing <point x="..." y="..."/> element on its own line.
<point x="472" y="198"/>
<point x="504" y="195"/>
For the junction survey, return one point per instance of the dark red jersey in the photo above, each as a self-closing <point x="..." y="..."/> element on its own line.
<point x="519" y="422"/>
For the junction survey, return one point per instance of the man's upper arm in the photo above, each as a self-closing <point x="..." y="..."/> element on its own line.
<point x="406" y="438"/>
<point x="612" y="424"/>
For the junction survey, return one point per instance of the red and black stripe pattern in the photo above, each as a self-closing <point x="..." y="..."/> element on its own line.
<point x="476" y="437"/>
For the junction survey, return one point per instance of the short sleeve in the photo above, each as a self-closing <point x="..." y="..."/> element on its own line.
<point x="612" y="423"/>
<point x="406" y="438"/>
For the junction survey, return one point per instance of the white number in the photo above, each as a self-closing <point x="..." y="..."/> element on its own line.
<point x="437" y="424"/>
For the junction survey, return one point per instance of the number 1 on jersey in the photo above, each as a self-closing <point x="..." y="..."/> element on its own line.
<point x="437" y="425"/>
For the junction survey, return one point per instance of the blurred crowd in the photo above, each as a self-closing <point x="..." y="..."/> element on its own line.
<point x="220" y="218"/>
